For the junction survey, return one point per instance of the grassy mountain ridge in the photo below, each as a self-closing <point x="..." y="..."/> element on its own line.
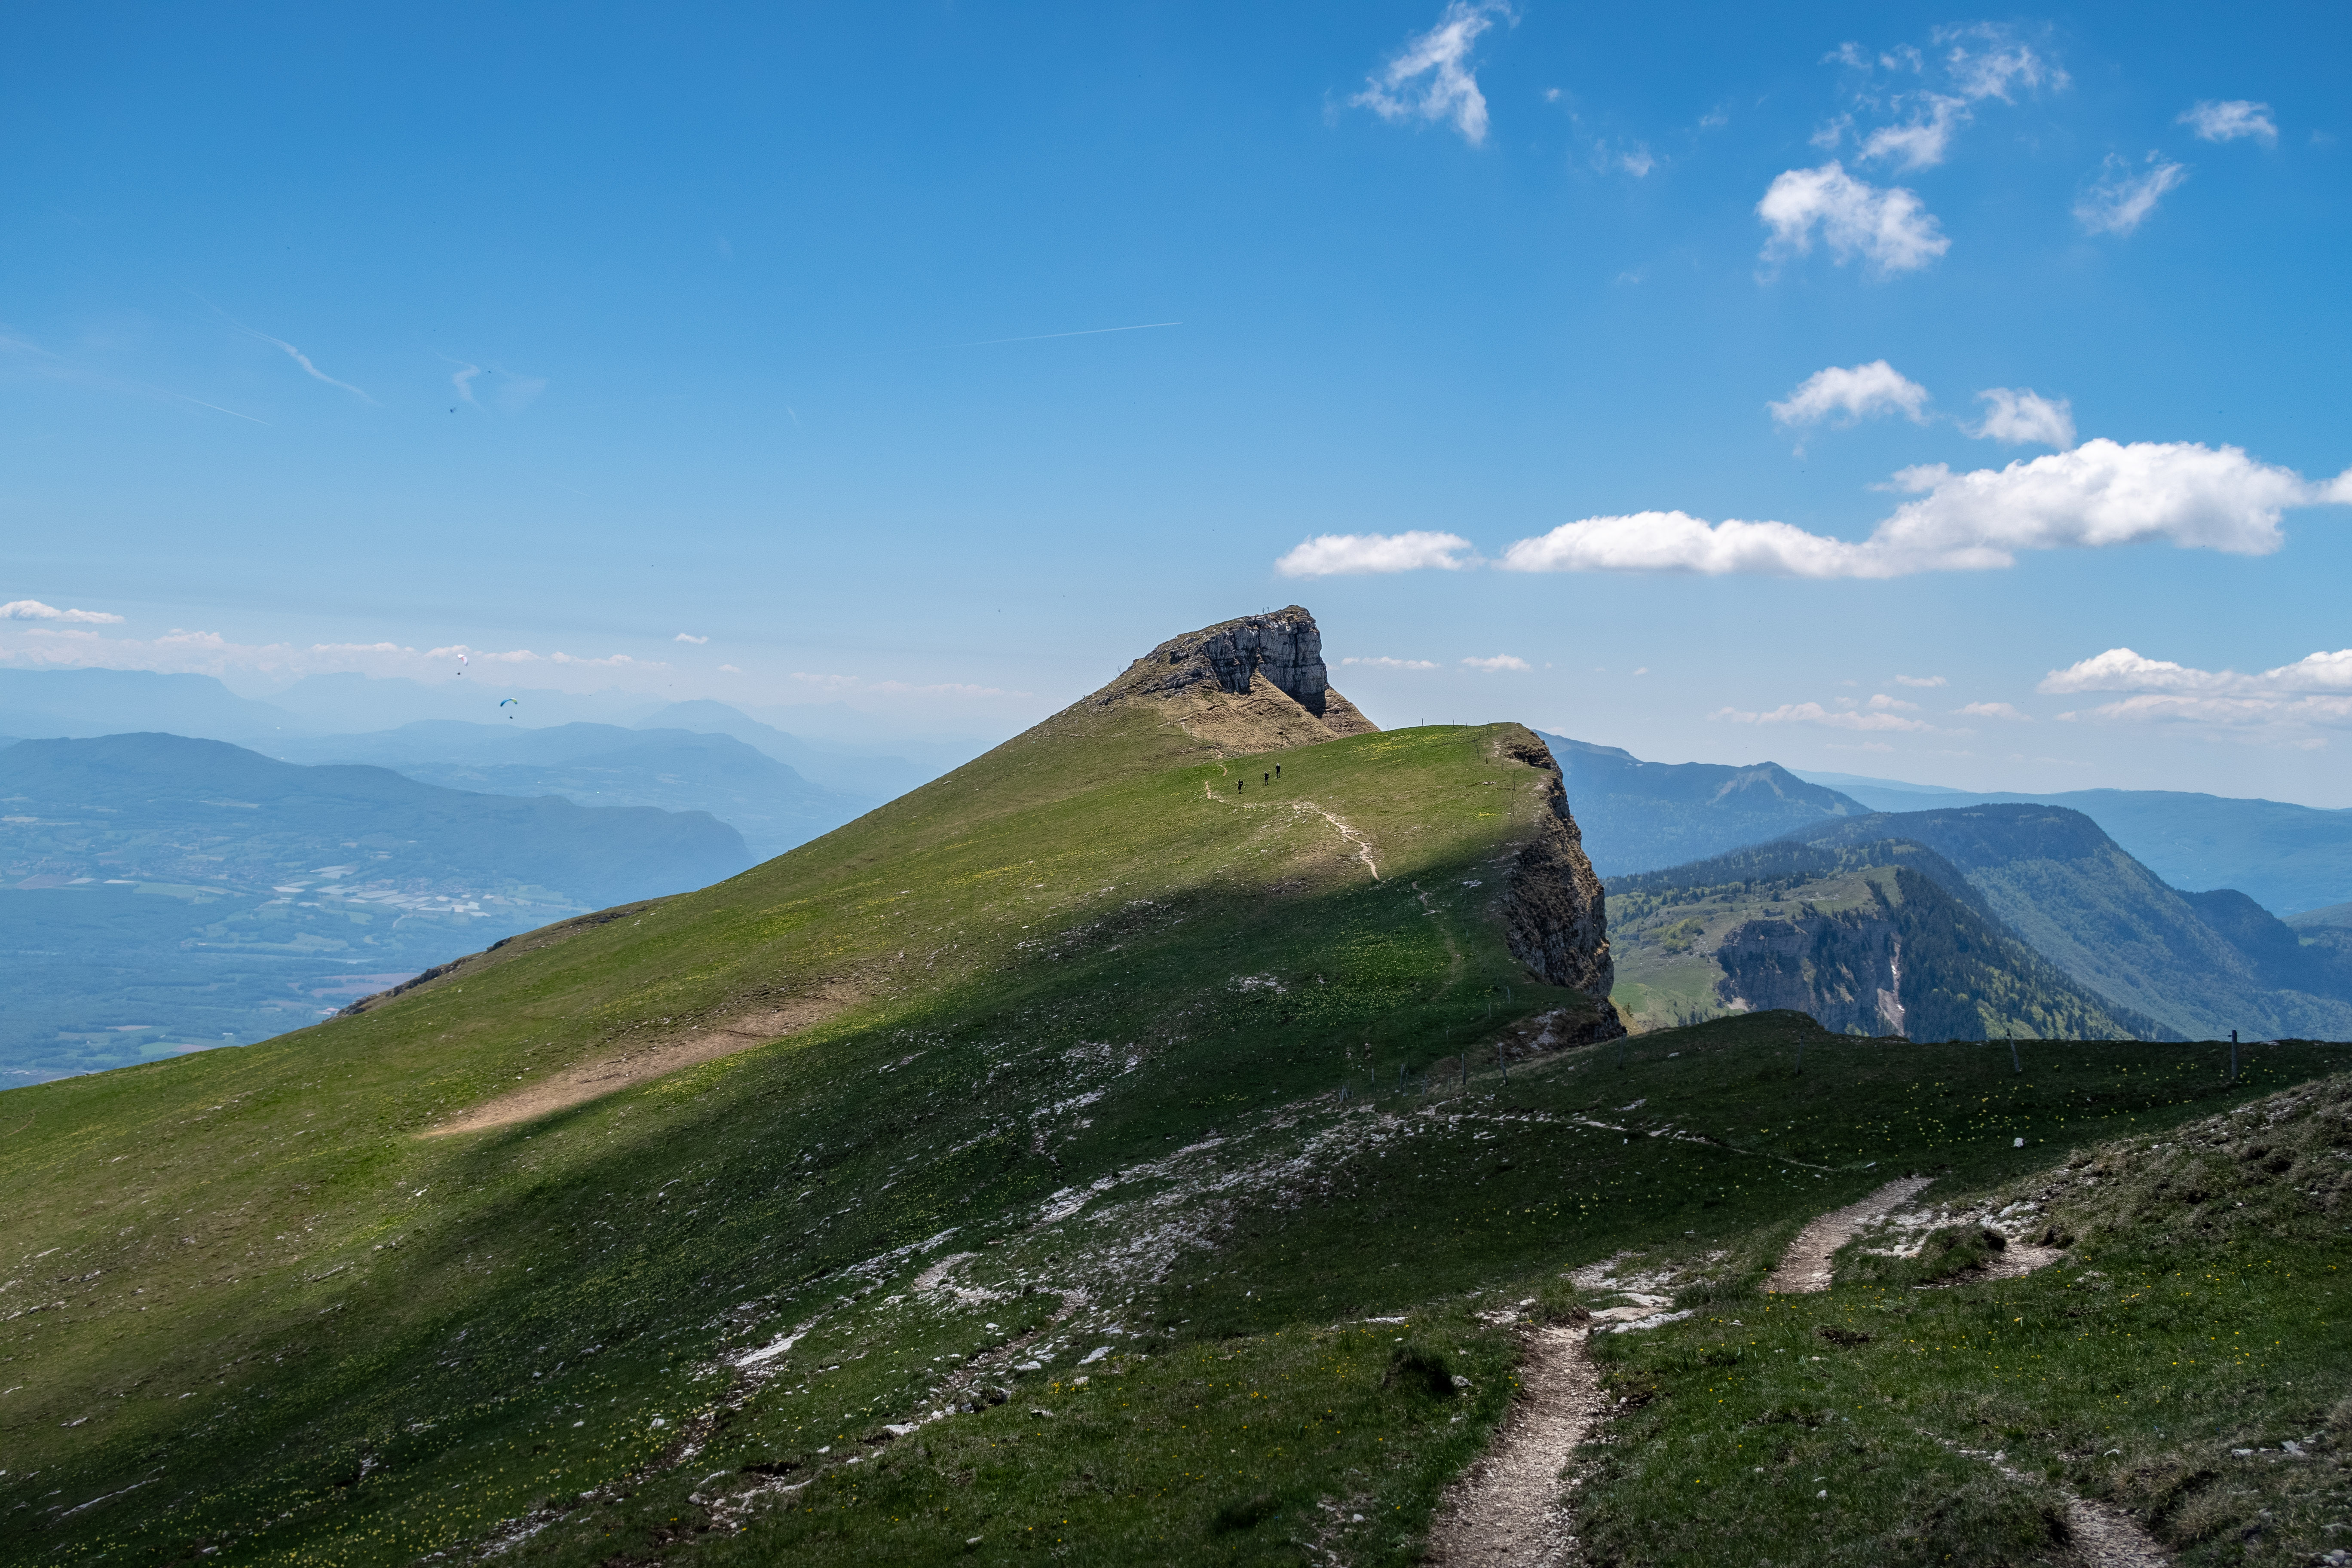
<point x="1869" y="938"/>
<point x="1158" y="1144"/>
<point x="1090" y="905"/>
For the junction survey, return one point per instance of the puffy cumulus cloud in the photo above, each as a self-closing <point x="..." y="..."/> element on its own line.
<point x="1431" y="79"/>
<point x="1828" y="718"/>
<point x="2099" y="494"/>
<point x="1919" y="680"/>
<point x="1386" y="663"/>
<point x="1677" y="541"/>
<point x="1501" y="661"/>
<point x="34" y="610"/>
<point x="2282" y="704"/>
<point x="2229" y="120"/>
<point x="1856" y="392"/>
<point x="2122" y="670"/>
<point x="2119" y="201"/>
<point x="1351" y="554"/>
<point x="1991" y="710"/>
<point x="1889" y="228"/>
<point x="689" y="637"/>
<point x="2022" y="416"/>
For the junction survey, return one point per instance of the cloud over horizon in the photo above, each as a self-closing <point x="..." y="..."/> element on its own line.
<point x="34" y="610"/>
<point x="2021" y="416"/>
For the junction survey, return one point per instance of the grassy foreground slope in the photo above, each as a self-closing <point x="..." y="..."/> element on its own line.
<point x="249" y="1301"/>
<point x="1137" y="1179"/>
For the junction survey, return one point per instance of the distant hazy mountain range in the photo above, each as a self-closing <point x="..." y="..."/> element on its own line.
<point x="1640" y="816"/>
<point x="159" y="893"/>
<point x="772" y="804"/>
<point x="2288" y="858"/>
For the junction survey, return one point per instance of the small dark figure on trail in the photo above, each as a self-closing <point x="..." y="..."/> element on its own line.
<point x="1265" y="778"/>
<point x="1277" y="769"/>
<point x="1237" y="785"/>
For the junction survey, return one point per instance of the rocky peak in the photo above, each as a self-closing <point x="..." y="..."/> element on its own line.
<point x="1273" y="663"/>
<point x="1285" y="645"/>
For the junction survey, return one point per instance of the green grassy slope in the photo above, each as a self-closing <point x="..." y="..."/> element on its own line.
<point x="1082" y="944"/>
<point x="1157" y="1175"/>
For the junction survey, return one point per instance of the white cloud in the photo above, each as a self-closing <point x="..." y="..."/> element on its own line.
<point x="34" y="610"/>
<point x="1889" y="228"/>
<point x="1858" y="393"/>
<point x="1431" y="78"/>
<point x="1986" y="61"/>
<point x="2121" y="669"/>
<point x="1919" y="680"/>
<point x="2228" y="120"/>
<point x="1351" y="554"/>
<point x="1974" y="63"/>
<point x="1992" y="711"/>
<point x="1814" y="713"/>
<point x="1883" y="703"/>
<point x="732" y="669"/>
<point x="2021" y="414"/>
<point x="2120" y="201"/>
<point x="1499" y="662"/>
<point x="2281" y="706"/>
<point x="463" y="380"/>
<point x="1921" y="141"/>
<point x="1384" y="663"/>
<point x="689" y="637"/>
<point x="2101" y="493"/>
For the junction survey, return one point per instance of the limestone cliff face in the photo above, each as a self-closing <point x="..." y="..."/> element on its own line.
<point x="1257" y="683"/>
<point x="1556" y="919"/>
<point x="1844" y="968"/>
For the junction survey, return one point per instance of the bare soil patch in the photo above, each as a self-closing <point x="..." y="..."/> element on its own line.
<point x="1509" y="1508"/>
<point x="1807" y="1265"/>
<point x="641" y="1062"/>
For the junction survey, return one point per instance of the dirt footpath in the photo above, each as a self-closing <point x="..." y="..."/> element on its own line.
<point x="1509" y="1508"/>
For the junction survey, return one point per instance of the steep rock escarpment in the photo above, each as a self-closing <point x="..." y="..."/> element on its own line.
<point x="1257" y="683"/>
<point x="1555" y="916"/>
<point x="1845" y="969"/>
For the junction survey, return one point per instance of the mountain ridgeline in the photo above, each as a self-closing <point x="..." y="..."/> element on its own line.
<point x="1882" y="937"/>
<point x="1643" y="816"/>
<point x="2199" y="964"/>
<point x="1165" y="1138"/>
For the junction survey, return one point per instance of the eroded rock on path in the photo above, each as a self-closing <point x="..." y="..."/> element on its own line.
<point x="2100" y="1536"/>
<point x="1807" y="1265"/>
<point x="1509" y="1508"/>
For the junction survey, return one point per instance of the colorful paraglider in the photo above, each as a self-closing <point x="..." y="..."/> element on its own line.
<point x="509" y="702"/>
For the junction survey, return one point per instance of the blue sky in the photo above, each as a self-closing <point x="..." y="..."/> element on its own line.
<point x="337" y="342"/>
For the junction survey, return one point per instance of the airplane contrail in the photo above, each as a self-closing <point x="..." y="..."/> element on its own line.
<point x="1089" y="332"/>
<point x="298" y="356"/>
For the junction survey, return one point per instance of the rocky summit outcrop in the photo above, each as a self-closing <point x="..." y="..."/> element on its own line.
<point x="1254" y="684"/>
<point x="1555" y="918"/>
